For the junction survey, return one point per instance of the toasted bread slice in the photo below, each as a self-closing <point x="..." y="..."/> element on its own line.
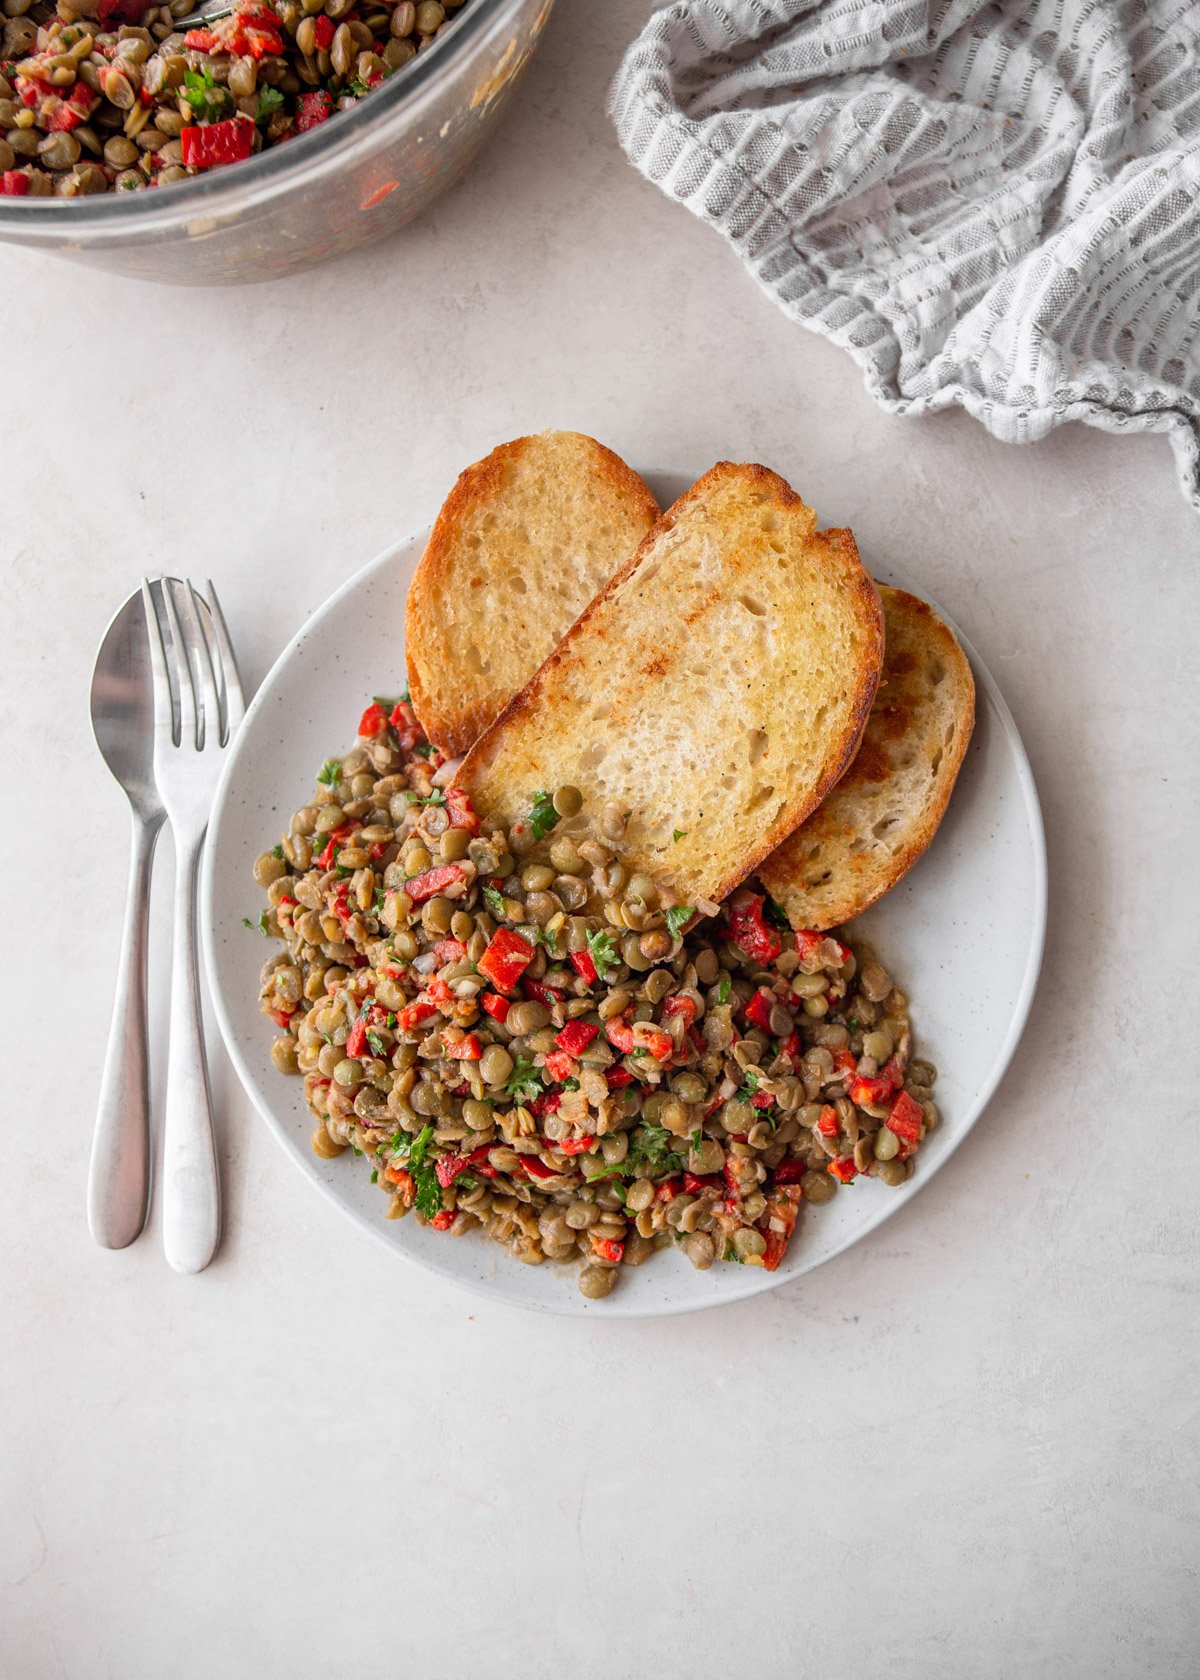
<point x="716" y="688"/>
<point x="524" y="541"/>
<point x="886" y="808"/>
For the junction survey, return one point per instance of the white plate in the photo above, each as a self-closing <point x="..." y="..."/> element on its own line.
<point x="962" y="932"/>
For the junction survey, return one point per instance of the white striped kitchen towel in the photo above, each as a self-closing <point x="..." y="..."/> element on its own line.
<point x="990" y="204"/>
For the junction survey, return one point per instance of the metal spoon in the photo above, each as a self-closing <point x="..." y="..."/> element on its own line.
<point x="122" y="705"/>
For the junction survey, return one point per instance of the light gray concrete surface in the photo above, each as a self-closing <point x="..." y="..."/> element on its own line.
<point x="967" y="1448"/>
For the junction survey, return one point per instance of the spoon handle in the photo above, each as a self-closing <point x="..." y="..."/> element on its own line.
<point x="191" y="1203"/>
<point x="119" y="1176"/>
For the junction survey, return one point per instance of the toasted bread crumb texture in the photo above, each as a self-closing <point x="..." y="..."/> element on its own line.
<point x="716" y="688"/>
<point x="882" y="815"/>
<point x="524" y="541"/>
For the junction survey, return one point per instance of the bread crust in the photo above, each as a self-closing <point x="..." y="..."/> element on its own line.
<point x="911" y="716"/>
<point x="455" y="706"/>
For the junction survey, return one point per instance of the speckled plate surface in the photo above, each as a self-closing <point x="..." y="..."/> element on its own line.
<point x="962" y="933"/>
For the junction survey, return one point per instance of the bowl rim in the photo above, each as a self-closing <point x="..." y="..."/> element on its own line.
<point x="262" y="177"/>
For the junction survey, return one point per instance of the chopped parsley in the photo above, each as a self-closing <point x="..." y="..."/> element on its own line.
<point x="602" y="948"/>
<point x="731" y="1253"/>
<point x="542" y="816"/>
<point x="424" y="749"/>
<point x="724" y="989"/>
<point x="277" y="852"/>
<point x="357" y="87"/>
<point x="677" y="918"/>
<point x="524" y="1082"/>
<point x="570" y="1084"/>
<point x="678" y="835"/>
<point x="270" y="100"/>
<point x="330" y="772"/>
<point x="428" y="1198"/>
<point x="437" y="797"/>
<point x="775" y="913"/>
<point x="652" y="1147"/>
<point x="494" y="901"/>
<point x="201" y="93"/>
<point x="378" y="1048"/>
<point x="260" y="924"/>
<point x="375" y="1176"/>
<point x="749" y="1084"/>
<point x="697" y="1138"/>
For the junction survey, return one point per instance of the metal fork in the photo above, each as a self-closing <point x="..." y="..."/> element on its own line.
<point x="192" y="658"/>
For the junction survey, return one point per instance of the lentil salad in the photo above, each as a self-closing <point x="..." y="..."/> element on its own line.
<point x="526" y="1038"/>
<point x="111" y="95"/>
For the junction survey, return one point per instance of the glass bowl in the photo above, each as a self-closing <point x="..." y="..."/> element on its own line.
<point x="356" y="178"/>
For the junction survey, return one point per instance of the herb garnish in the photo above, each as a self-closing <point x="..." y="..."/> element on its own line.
<point x="494" y="901"/>
<point x="678" y="835"/>
<point x="542" y="816"/>
<point x="330" y="772"/>
<point x="678" y="917"/>
<point x="524" y="1082"/>
<point x="602" y="948"/>
<point x="260" y="924"/>
<point x="724" y="989"/>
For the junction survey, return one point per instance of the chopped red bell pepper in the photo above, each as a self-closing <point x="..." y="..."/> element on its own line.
<point x="647" y="1037"/>
<point x="461" y="811"/>
<point x="478" y="1161"/>
<point x="608" y="1249"/>
<point x="356" y="1042"/>
<point x="845" y="1063"/>
<point x="377" y="849"/>
<point x="762" y="944"/>
<point x="581" y="962"/>
<point x="403" y="1180"/>
<point x="281" y="1017"/>
<point x="560" y="1066"/>
<point x="442" y="1221"/>
<point x="790" y="1172"/>
<point x="217" y="143"/>
<point x="782" y="1209"/>
<point x="464" y="1049"/>
<point x="905" y="1120"/>
<point x="538" y="1169"/>
<point x="121" y="11"/>
<point x="575" y="1145"/>
<point x="867" y="1089"/>
<point x="762" y="1099"/>
<point x="843" y="1168"/>
<point x="809" y="946"/>
<point x="439" y="991"/>
<point x="14" y="183"/>
<point x="758" y="1010"/>
<point x="421" y="1009"/>
<point x="312" y="109"/>
<point x="667" y="1190"/>
<point x="543" y="993"/>
<point x="677" y="1005"/>
<point x="325" y="31"/>
<point x="449" y="951"/>
<point x="548" y="1103"/>
<point x="337" y="837"/>
<point x="495" y="1006"/>
<point x="506" y="958"/>
<point x="791" y="1048"/>
<point x="448" y="1167"/>
<point x="617" y="1077"/>
<point x="373" y="720"/>
<point x="828" y="1123"/>
<point x="619" y="1032"/>
<point x="576" y="1036"/>
<point x="434" y="881"/>
<point x="71" y="112"/>
<point x="694" y="1183"/>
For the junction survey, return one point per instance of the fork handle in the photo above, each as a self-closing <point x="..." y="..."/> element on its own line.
<point x="191" y="1200"/>
<point x="119" y="1175"/>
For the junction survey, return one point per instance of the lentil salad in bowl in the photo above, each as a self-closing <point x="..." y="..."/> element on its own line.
<point x="973" y="1022"/>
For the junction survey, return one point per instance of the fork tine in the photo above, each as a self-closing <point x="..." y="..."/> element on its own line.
<point x="235" y="704"/>
<point x="188" y="733"/>
<point x="164" y="714"/>
<point x="200" y="656"/>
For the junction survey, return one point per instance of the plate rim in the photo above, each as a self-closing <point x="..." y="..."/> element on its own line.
<point x="575" y="1306"/>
